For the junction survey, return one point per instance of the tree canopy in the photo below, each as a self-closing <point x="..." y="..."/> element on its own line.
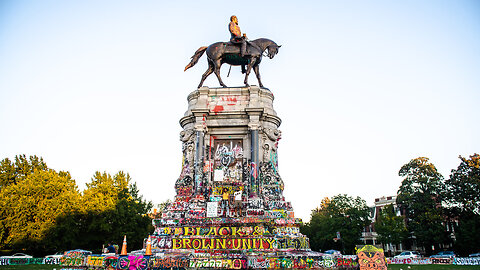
<point x="390" y="228"/>
<point x="463" y="186"/>
<point x="343" y="214"/>
<point x="42" y="210"/>
<point x="463" y="203"/>
<point x="419" y="196"/>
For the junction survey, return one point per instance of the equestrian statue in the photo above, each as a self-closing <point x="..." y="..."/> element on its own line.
<point x="238" y="52"/>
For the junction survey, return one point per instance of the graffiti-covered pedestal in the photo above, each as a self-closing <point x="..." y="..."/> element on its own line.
<point x="229" y="210"/>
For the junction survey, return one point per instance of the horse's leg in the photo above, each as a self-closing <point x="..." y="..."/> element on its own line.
<point x="217" y="65"/>
<point x="256" y="68"/>
<point x="206" y="74"/>
<point x="249" y="68"/>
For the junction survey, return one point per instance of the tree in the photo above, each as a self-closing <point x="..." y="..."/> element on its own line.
<point x="343" y="214"/>
<point x="112" y="208"/>
<point x="463" y="187"/>
<point x="391" y="228"/>
<point x="463" y="198"/>
<point x="29" y="207"/>
<point x="419" y="196"/>
<point x="14" y="172"/>
<point x="103" y="191"/>
<point x="41" y="210"/>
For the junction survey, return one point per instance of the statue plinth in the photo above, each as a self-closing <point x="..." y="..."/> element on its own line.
<point x="229" y="196"/>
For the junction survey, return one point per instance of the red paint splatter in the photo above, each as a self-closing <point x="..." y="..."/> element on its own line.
<point x="218" y="108"/>
<point x="231" y="99"/>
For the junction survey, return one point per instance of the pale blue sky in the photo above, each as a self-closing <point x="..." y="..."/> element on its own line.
<point x="362" y="87"/>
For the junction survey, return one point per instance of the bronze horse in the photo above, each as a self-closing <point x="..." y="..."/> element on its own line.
<point x="226" y="52"/>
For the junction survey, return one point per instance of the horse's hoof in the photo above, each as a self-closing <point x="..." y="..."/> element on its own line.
<point x="224" y="86"/>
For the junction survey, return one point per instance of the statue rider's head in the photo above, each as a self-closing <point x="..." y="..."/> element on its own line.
<point x="234" y="19"/>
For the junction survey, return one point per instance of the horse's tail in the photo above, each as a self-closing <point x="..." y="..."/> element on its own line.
<point x="196" y="57"/>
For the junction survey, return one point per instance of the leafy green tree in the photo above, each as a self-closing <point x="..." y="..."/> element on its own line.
<point x="391" y="228"/>
<point x="463" y="187"/>
<point x="112" y="208"/>
<point x="463" y="198"/>
<point x="343" y="214"/>
<point x="103" y="191"/>
<point x="41" y="210"/>
<point x="14" y="172"/>
<point x="419" y="196"/>
<point x="29" y="207"/>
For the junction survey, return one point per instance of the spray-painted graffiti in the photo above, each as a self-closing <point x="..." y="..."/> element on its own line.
<point x="325" y="262"/>
<point x="218" y="104"/>
<point x="195" y="213"/>
<point x="230" y="190"/>
<point x="213" y="231"/>
<point x="111" y="262"/>
<point x="218" y="263"/>
<point x="51" y="261"/>
<point x="184" y="191"/>
<point x="283" y="231"/>
<point x="95" y="261"/>
<point x="227" y="160"/>
<point x="72" y="261"/>
<point x="441" y="260"/>
<point x="224" y="243"/>
<point x="371" y="258"/>
<point x="272" y="205"/>
<point x="276" y="213"/>
<point x="4" y="261"/>
<point x="167" y="263"/>
<point x="347" y="262"/>
<point x="409" y="261"/>
<point x="25" y="261"/>
<point x="466" y="261"/>
<point x="272" y="183"/>
<point x="255" y="203"/>
<point x="287" y="263"/>
<point x="162" y="242"/>
<point x="293" y="243"/>
<point x="255" y="212"/>
<point x="132" y="263"/>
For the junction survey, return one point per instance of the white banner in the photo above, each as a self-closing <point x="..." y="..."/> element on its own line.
<point x="212" y="209"/>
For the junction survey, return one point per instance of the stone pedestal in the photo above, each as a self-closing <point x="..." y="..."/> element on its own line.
<point x="229" y="201"/>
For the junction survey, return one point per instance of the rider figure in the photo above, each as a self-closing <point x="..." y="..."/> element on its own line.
<point x="236" y="35"/>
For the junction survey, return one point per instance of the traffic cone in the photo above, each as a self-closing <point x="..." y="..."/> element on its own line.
<point x="124" y="246"/>
<point x="148" y="250"/>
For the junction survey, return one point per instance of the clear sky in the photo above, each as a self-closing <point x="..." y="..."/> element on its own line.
<point x="362" y="87"/>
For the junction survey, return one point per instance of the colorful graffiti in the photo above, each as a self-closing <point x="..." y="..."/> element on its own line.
<point x="441" y="260"/>
<point x="132" y="263"/>
<point x="72" y="260"/>
<point x="409" y="261"/>
<point x="219" y="263"/>
<point x="371" y="258"/>
<point x="163" y="263"/>
<point x="212" y="231"/>
<point x="292" y="243"/>
<point x="224" y="243"/>
<point x="466" y="261"/>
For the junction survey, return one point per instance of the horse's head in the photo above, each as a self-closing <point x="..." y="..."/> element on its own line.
<point x="273" y="50"/>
